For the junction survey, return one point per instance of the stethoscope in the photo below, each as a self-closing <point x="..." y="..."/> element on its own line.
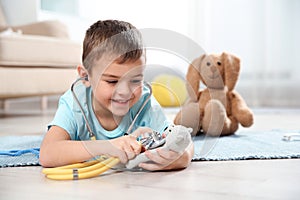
<point x="95" y="167"/>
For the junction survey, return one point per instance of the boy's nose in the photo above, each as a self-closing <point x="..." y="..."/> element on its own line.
<point x="124" y="89"/>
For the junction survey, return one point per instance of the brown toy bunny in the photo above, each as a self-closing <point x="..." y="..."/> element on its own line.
<point x="218" y="109"/>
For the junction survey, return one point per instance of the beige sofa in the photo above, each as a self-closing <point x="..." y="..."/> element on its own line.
<point x="36" y="59"/>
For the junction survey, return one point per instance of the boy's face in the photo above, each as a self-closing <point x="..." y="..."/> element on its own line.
<point x="117" y="88"/>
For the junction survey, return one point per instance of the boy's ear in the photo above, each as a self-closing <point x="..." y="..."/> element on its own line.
<point x="82" y="72"/>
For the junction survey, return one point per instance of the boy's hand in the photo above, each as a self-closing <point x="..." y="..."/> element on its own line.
<point x="163" y="160"/>
<point x="127" y="147"/>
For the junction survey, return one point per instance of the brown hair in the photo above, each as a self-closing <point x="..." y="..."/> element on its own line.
<point x="118" y="39"/>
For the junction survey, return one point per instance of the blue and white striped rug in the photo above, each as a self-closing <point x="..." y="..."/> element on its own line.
<point x="18" y="151"/>
<point x="241" y="146"/>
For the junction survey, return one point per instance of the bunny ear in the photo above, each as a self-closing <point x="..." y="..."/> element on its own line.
<point x="193" y="78"/>
<point x="231" y="69"/>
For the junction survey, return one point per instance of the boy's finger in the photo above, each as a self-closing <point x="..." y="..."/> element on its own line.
<point x="150" y="166"/>
<point x="130" y="155"/>
<point x="135" y="145"/>
<point x="129" y="152"/>
<point x="156" y="158"/>
<point x="168" y="154"/>
<point x="123" y="157"/>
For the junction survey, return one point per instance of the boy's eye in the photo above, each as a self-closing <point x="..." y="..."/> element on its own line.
<point x="133" y="81"/>
<point x="136" y="81"/>
<point x="112" y="81"/>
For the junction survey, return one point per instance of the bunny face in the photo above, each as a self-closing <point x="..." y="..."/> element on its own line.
<point x="215" y="71"/>
<point x="212" y="71"/>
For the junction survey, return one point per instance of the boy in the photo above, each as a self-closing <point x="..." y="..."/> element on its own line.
<point x="110" y="94"/>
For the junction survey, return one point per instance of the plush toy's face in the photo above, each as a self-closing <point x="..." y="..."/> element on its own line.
<point x="212" y="71"/>
<point x="215" y="71"/>
<point x="178" y="137"/>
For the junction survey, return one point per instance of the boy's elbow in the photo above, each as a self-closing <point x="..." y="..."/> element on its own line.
<point x="45" y="160"/>
<point x="44" y="163"/>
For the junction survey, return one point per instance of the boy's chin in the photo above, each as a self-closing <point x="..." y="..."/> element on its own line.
<point x="120" y="112"/>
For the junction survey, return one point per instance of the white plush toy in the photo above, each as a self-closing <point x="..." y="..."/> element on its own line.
<point x="178" y="139"/>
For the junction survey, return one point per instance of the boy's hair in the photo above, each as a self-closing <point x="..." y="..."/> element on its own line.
<point x="117" y="40"/>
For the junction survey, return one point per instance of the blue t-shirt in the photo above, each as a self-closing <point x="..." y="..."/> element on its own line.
<point x="69" y="117"/>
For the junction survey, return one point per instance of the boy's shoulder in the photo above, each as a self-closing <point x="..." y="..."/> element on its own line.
<point x="67" y="96"/>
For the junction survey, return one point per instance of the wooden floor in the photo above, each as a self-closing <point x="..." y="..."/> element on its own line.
<point x="252" y="179"/>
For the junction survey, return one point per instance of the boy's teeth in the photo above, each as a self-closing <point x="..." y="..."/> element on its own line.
<point x="121" y="101"/>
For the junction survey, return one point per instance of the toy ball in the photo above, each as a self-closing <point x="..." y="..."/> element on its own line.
<point x="169" y="90"/>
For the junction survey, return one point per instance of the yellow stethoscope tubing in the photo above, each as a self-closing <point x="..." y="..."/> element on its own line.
<point x="82" y="173"/>
<point x="77" y="165"/>
<point x="82" y="167"/>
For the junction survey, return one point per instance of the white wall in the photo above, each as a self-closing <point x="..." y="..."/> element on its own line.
<point x="20" y="11"/>
<point x="167" y="14"/>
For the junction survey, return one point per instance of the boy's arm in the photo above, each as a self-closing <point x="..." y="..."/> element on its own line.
<point x="57" y="149"/>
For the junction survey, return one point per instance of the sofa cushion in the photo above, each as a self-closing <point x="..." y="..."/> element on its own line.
<point x="23" y="82"/>
<point x="35" y="51"/>
<point x="51" y="28"/>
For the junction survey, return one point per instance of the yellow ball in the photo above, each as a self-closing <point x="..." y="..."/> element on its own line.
<point x="169" y="90"/>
